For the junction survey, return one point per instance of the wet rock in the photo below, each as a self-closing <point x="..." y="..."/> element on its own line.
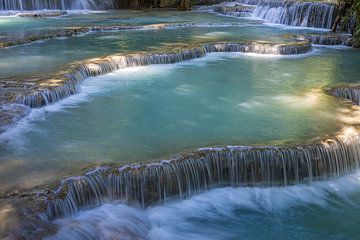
<point x="42" y="14"/>
<point x="326" y="39"/>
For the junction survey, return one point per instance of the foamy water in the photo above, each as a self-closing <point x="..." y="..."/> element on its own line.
<point x="230" y="213"/>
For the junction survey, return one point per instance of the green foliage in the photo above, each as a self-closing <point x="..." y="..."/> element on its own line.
<point x="356" y="12"/>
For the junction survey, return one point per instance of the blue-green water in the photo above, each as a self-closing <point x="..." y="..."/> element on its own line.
<point x="147" y="113"/>
<point x="45" y="57"/>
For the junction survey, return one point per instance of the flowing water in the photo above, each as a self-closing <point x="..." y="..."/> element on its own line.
<point x="318" y="211"/>
<point x="135" y="114"/>
<point x="142" y="114"/>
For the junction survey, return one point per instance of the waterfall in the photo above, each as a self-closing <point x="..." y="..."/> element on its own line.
<point x="23" y="5"/>
<point x="293" y="13"/>
<point x="147" y="184"/>
<point x="326" y="39"/>
<point x="181" y="177"/>
<point x="350" y="93"/>
<point x="304" y="14"/>
<point x="69" y="86"/>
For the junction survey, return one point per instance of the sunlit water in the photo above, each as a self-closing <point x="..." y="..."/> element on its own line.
<point x="147" y="113"/>
<point x="323" y="210"/>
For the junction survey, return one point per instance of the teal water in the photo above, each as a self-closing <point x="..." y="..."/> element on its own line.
<point x="147" y="113"/>
<point x="46" y="57"/>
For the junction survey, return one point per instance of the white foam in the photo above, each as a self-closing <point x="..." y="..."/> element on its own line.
<point x="176" y="219"/>
<point x="270" y="24"/>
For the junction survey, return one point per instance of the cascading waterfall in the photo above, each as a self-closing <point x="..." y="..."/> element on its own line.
<point x="306" y="14"/>
<point x="42" y="97"/>
<point x="324" y="39"/>
<point x="293" y="13"/>
<point x="23" y="5"/>
<point x="181" y="177"/>
<point x="214" y="167"/>
<point x="350" y="93"/>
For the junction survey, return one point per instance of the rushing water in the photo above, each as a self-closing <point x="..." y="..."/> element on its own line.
<point x="307" y="14"/>
<point x="293" y="13"/>
<point x="141" y="114"/>
<point x="318" y="211"/>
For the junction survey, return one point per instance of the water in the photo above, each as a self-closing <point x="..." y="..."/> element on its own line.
<point x="265" y="100"/>
<point x="143" y="114"/>
<point x="307" y="14"/>
<point x="318" y="211"/>
<point x="292" y="13"/>
<point x="28" y="60"/>
<point x="41" y="59"/>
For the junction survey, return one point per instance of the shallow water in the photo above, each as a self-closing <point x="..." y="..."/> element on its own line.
<point x="146" y="113"/>
<point x="321" y="210"/>
<point x="46" y="57"/>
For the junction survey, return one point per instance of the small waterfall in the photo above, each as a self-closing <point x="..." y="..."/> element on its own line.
<point x="304" y="14"/>
<point x="293" y="13"/>
<point x="69" y="86"/>
<point x="326" y="39"/>
<point x="146" y="184"/>
<point x="350" y="93"/>
<point x="24" y="5"/>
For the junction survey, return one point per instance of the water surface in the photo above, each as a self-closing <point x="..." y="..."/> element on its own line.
<point x="146" y="113"/>
<point x="323" y="210"/>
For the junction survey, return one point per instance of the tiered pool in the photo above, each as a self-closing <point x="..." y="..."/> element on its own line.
<point x="149" y="113"/>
